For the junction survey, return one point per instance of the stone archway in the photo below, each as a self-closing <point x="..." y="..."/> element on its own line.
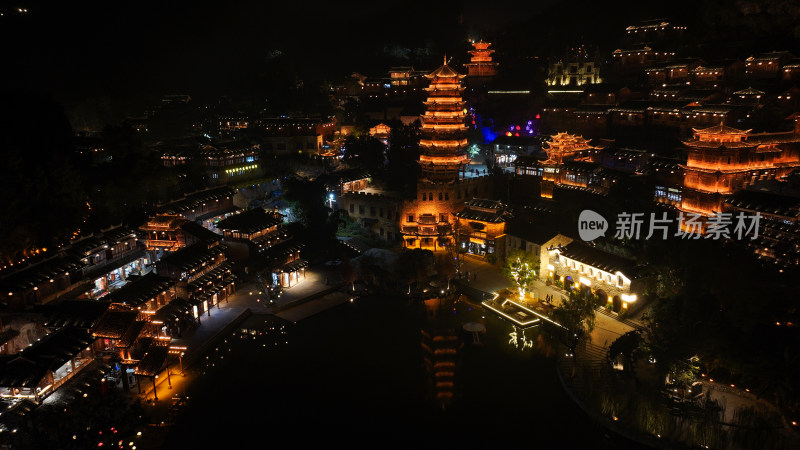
<point x="616" y="304"/>
<point x="603" y="296"/>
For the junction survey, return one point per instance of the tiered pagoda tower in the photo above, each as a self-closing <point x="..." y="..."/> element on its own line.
<point x="443" y="143"/>
<point x="427" y="221"/>
<point x="481" y="64"/>
<point x="722" y="160"/>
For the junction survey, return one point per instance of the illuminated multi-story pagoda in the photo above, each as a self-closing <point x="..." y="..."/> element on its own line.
<point x="427" y="220"/>
<point x="722" y="160"/>
<point x="481" y="64"/>
<point x="444" y="140"/>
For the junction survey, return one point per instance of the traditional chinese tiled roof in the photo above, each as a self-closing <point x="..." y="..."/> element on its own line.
<point x="627" y="153"/>
<point x="28" y="367"/>
<point x="351" y="175"/>
<point x="200" y="232"/>
<point x="444" y="72"/>
<point x="131" y="334"/>
<point x="140" y="291"/>
<point x="770" y="56"/>
<point x="153" y="361"/>
<point x="579" y="166"/>
<point x="485" y="203"/>
<point x="31" y="276"/>
<point x="163" y="222"/>
<point x="221" y="149"/>
<point x="193" y="256"/>
<point x="196" y="199"/>
<point x="115" y="323"/>
<point x="629" y="109"/>
<point x="217" y="213"/>
<point x="720" y="129"/>
<point x="765" y="202"/>
<point x="88" y="245"/>
<point x="77" y="313"/>
<point x="753" y="140"/>
<point x="592" y="109"/>
<point x="749" y="91"/>
<point x="293" y="266"/>
<point x="271" y="238"/>
<point x="218" y="276"/>
<point x="251" y="221"/>
<point x="711" y="109"/>
<point x="662" y="163"/>
<point x="283" y="249"/>
<point x="175" y="309"/>
<point x="119" y="234"/>
<point x="599" y="259"/>
<point x="643" y="48"/>
<point x="481" y="216"/>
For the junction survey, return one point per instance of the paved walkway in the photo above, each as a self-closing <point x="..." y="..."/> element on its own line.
<point x="308" y="309"/>
<point x="489" y="278"/>
<point x="220" y="317"/>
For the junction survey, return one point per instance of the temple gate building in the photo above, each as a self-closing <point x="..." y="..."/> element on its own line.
<point x="564" y="148"/>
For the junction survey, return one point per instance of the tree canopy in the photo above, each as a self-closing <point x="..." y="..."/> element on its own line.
<point x="521" y="268"/>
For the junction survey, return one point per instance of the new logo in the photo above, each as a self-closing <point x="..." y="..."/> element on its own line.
<point x="591" y="225"/>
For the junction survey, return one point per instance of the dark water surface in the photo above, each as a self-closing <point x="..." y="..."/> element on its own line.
<point x="355" y="374"/>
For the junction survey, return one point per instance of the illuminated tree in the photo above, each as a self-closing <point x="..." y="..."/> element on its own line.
<point x="521" y="267"/>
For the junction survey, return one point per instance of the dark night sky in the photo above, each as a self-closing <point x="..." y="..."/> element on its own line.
<point x="126" y="52"/>
<point x="135" y="46"/>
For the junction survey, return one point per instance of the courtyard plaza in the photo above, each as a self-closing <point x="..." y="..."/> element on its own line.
<point x="490" y="280"/>
<point x="223" y="317"/>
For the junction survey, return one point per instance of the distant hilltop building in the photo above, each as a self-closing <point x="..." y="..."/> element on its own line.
<point x="176" y="98"/>
<point x="576" y="68"/>
<point x="481" y="64"/>
<point x="655" y="31"/>
<point x="646" y="44"/>
<point x="767" y="65"/>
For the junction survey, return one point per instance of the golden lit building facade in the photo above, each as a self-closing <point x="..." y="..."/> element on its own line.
<point x="722" y="160"/>
<point x="481" y="227"/>
<point x="426" y="221"/>
<point x="573" y="73"/>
